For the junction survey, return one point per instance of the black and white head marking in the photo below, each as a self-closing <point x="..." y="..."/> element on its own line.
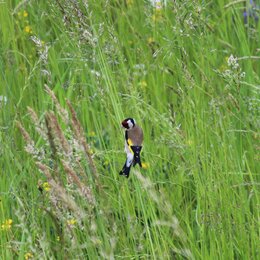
<point x="128" y="123"/>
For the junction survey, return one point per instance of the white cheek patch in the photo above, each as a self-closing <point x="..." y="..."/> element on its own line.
<point x="130" y="124"/>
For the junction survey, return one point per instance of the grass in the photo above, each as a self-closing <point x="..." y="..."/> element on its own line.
<point x="82" y="67"/>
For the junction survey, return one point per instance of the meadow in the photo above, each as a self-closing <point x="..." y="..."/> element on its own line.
<point x="71" y="71"/>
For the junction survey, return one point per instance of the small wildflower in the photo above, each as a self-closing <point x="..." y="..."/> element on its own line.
<point x="232" y="62"/>
<point x="28" y="255"/>
<point x="157" y="16"/>
<point x="71" y="222"/>
<point x="145" y="165"/>
<point x="58" y="238"/>
<point x="43" y="186"/>
<point x="242" y="75"/>
<point x="46" y="186"/>
<point x="7" y="224"/>
<point x="143" y="84"/>
<point x="129" y="2"/>
<point x="92" y="134"/>
<point x="28" y="29"/>
<point x="150" y="40"/>
<point x="25" y="14"/>
<point x="189" y="142"/>
<point x="156" y="3"/>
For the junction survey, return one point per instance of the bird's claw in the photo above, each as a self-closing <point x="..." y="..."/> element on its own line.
<point x="125" y="171"/>
<point x="124" y="174"/>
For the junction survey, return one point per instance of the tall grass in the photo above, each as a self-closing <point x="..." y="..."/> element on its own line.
<point x="187" y="71"/>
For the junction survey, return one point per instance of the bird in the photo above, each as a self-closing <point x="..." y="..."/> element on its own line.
<point x="133" y="145"/>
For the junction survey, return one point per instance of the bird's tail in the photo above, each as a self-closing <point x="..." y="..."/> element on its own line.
<point x="136" y="150"/>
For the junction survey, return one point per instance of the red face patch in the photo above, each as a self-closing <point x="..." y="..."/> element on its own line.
<point x="125" y="124"/>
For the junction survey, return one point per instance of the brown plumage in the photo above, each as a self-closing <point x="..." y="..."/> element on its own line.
<point x="134" y="136"/>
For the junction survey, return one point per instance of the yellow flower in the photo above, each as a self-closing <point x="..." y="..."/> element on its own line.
<point x="58" y="238"/>
<point x="28" y="256"/>
<point x="129" y="2"/>
<point x="143" y="84"/>
<point x="25" y="14"/>
<point x="150" y="40"/>
<point x="71" y="222"/>
<point x="46" y="186"/>
<point x="92" y="134"/>
<point x="7" y="224"/>
<point x="145" y="165"/>
<point x="157" y="16"/>
<point x="28" y="29"/>
<point x="189" y="142"/>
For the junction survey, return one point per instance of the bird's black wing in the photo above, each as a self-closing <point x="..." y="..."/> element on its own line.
<point x="126" y="137"/>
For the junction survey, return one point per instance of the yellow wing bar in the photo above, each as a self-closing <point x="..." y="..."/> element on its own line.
<point x="130" y="143"/>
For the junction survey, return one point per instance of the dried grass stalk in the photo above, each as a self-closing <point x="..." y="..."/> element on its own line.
<point x="50" y="136"/>
<point x="30" y="145"/>
<point x="24" y="133"/>
<point x="62" y="112"/>
<point x="84" y="190"/>
<point x="60" y="192"/>
<point x="163" y="205"/>
<point x="78" y="131"/>
<point x="41" y="131"/>
<point x="58" y="134"/>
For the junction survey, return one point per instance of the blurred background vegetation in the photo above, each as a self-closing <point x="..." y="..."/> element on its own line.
<point x="187" y="71"/>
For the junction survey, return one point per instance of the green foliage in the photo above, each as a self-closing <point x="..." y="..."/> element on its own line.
<point x="187" y="71"/>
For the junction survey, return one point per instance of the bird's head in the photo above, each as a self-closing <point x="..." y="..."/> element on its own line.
<point x="128" y="123"/>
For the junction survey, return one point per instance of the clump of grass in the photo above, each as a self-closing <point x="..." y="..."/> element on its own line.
<point x="61" y="159"/>
<point x="60" y="147"/>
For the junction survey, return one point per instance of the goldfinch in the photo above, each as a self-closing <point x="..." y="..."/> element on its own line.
<point x="133" y="145"/>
